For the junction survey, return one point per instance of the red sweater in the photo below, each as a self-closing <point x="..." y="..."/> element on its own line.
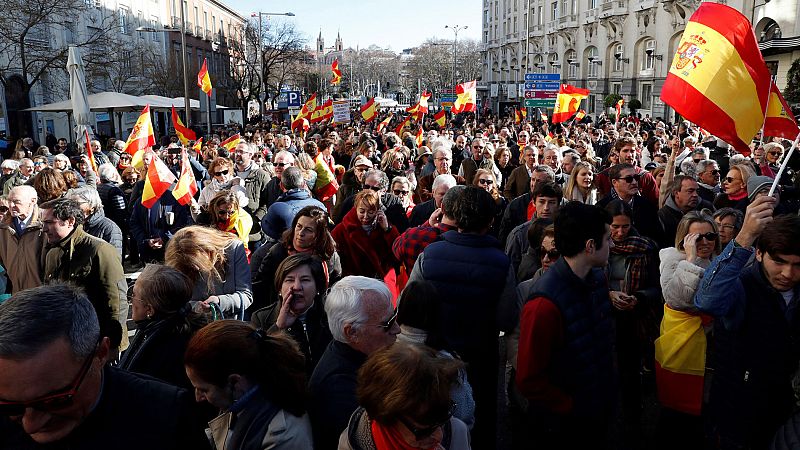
<point x="541" y="335"/>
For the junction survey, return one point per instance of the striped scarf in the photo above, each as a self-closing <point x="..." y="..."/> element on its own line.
<point x="638" y="252"/>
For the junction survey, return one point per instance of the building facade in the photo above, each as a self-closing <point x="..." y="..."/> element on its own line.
<point x="622" y="47"/>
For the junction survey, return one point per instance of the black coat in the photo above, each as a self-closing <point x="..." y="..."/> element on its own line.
<point x="167" y="414"/>
<point x="515" y="214"/>
<point x="104" y="228"/>
<point x="421" y="213"/>
<point x="645" y="217"/>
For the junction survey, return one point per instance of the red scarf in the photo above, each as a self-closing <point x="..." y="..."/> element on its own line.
<point x="389" y="438"/>
<point x="736" y="197"/>
<point x="531" y="209"/>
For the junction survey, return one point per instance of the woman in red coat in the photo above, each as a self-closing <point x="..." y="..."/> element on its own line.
<point x="364" y="238"/>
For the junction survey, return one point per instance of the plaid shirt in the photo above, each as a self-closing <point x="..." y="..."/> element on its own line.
<point x="408" y="246"/>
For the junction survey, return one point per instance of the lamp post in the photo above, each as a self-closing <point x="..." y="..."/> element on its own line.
<point x="456" y="29"/>
<point x="261" y="84"/>
<point x="183" y="60"/>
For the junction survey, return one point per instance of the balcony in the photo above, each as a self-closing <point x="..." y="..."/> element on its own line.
<point x="567" y="21"/>
<point x="645" y="4"/>
<point x="198" y="31"/>
<point x="551" y="26"/>
<point x="614" y="7"/>
<point x="189" y="29"/>
<point x="176" y="22"/>
<point x="590" y="15"/>
<point x="536" y="30"/>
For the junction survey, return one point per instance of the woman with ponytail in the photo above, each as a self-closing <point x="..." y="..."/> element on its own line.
<point x="258" y="382"/>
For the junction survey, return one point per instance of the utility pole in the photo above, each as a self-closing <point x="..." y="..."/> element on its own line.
<point x="456" y="29"/>
<point x="262" y="85"/>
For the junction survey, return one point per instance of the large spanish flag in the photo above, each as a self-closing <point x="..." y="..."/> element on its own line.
<point x="309" y="106"/>
<point x="142" y="136"/>
<point x="466" y="100"/>
<point x="336" y="76"/>
<point x="203" y="79"/>
<point x="567" y="102"/>
<point x="369" y="110"/>
<point x="184" y="134"/>
<point x="158" y="180"/>
<point x="186" y="188"/>
<point x="718" y="78"/>
<point x="384" y="123"/>
<point x="780" y="121"/>
<point x="231" y="143"/>
<point x="440" y="118"/>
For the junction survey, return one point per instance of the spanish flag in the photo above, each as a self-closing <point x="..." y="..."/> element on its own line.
<point x="198" y="146"/>
<point x="718" y="78"/>
<point x="403" y="124"/>
<point x="336" y="78"/>
<point x="440" y="118"/>
<point x="369" y="110"/>
<point x="466" y="100"/>
<point x="384" y="123"/>
<point x="327" y="109"/>
<point x="517" y="116"/>
<point x="524" y="113"/>
<point x="421" y="107"/>
<point x="158" y="180"/>
<point x="309" y="106"/>
<point x="418" y="138"/>
<point x="543" y="116"/>
<point x="142" y="136"/>
<point x="203" y="80"/>
<point x="231" y="143"/>
<point x="780" y="121"/>
<point x="89" y="151"/>
<point x="186" y="188"/>
<point x="300" y="123"/>
<point x="581" y="114"/>
<point x="618" y="108"/>
<point x="184" y="134"/>
<point x="567" y="102"/>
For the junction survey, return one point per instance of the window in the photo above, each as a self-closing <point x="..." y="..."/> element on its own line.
<point x="592" y="60"/>
<point x="213" y="24"/>
<point x="154" y="23"/>
<point x="647" y="57"/>
<point x="618" y="61"/>
<point x="616" y="88"/>
<point x="592" y="4"/>
<point x="538" y="64"/>
<point x="571" y="60"/>
<point x="647" y="94"/>
<point x="554" y="12"/>
<point x="196" y="16"/>
<point x="564" y="8"/>
<point x="124" y="21"/>
<point x="205" y="20"/>
<point x="573" y="7"/>
<point x="540" y="16"/>
<point x="590" y="102"/>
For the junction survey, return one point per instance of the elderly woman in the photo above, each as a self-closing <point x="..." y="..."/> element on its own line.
<point x="392" y="163"/>
<point x="729" y="223"/>
<point x="364" y="238"/>
<point x="404" y="397"/>
<point x="223" y="177"/>
<point x="401" y="188"/>
<point x="734" y="188"/>
<point x="580" y="186"/>
<point x="308" y="234"/>
<point x="96" y="223"/>
<point x="302" y="282"/>
<point x="225" y="213"/>
<point x="111" y="195"/>
<point x="216" y="264"/>
<point x="502" y="161"/>
<point x="257" y="381"/>
<point x="164" y="322"/>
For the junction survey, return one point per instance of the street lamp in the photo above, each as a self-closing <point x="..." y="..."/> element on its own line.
<point x="183" y="60"/>
<point x="455" y="29"/>
<point x="261" y="84"/>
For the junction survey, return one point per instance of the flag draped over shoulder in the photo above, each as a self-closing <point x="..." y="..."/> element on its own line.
<point x="142" y="135"/>
<point x="336" y="76"/>
<point x="466" y="97"/>
<point x="184" y="134"/>
<point x="780" y="120"/>
<point x="440" y="118"/>
<point x="186" y="188"/>
<point x="369" y="110"/>
<point x="718" y="78"/>
<point x="567" y="102"/>
<point x="203" y="79"/>
<point x="157" y="181"/>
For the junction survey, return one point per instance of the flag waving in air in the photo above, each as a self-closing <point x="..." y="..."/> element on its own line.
<point x="618" y="108"/>
<point x="156" y="182"/>
<point x="369" y="110"/>
<point x="421" y="107"/>
<point x="517" y="116"/>
<point x="184" y="134"/>
<point x="418" y="137"/>
<point x="581" y="114"/>
<point x="399" y="130"/>
<point x="543" y="115"/>
<point x="466" y="100"/>
<point x="198" y="145"/>
<point x="384" y="123"/>
<point x="203" y="80"/>
<point x="336" y="78"/>
<point x="231" y="143"/>
<point x="142" y="134"/>
<point x="780" y="120"/>
<point x="309" y="106"/>
<point x="567" y="102"/>
<point x="718" y="78"/>
<point x="89" y="151"/>
<point x="186" y="188"/>
<point x="440" y="118"/>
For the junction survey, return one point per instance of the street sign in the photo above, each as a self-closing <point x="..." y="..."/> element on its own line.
<point x="540" y="85"/>
<point x="341" y="111"/>
<point x="293" y="99"/>
<point x="448" y="100"/>
<point x="541" y="94"/>
<point x="539" y="103"/>
<point x="542" y="77"/>
<point x="283" y="97"/>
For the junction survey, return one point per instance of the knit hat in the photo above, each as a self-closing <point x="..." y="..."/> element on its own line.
<point x="757" y="184"/>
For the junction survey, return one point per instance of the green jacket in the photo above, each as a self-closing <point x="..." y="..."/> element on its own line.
<point x="94" y="265"/>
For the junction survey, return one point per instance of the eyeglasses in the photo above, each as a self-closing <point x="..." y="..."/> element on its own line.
<point x="443" y="159"/>
<point x="374" y="188"/>
<point x="53" y="402"/>
<point x="725" y="226"/>
<point x="486" y="181"/>
<point x="389" y="323"/>
<point x="552" y="255"/>
<point x="714" y="172"/>
<point x="775" y="153"/>
<point x="630" y="178"/>
<point x="400" y="192"/>
<point x="39" y="164"/>
<point x="277" y="164"/>
<point x="730" y="179"/>
<point x="423" y="432"/>
<point x="710" y="236"/>
<point x="221" y="173"/>
<point x="476" y="147"/>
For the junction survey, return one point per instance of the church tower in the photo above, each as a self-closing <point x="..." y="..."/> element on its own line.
<point x="320" y="45"/>
<point x="338" y="44"/>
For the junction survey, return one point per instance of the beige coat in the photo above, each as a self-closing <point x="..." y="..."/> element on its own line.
<point x="24" y="256"/>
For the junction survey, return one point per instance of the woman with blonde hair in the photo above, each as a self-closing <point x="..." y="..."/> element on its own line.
<point x="223" y="178"/>
<point x="226" y="214"/>
<point x="307" y="166"/>
<point x="734" y="187"/>
<point x="216" y="264"/>
<point x="580" y="186"/>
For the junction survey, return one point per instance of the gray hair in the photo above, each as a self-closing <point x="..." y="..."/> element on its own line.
<point x="292" y="178"/>
<point x="344" y="303"/>
<point x="86" y="194"/>
<point x="61" y="157"/>
<point x="11" y="164"/>
<point x="383" y="180"/>
<point x="107" y="172"/>
<point x="443" y="180"/>
<point x="25" y="190"/>
<point x="61" y="311"/>
<point x="688" y="167"/>
<point x="401" y="179"/>
<point x="284" y="153"/>
<point x="546" y="169"/>
<point x="704" y="164"/>
<point x="441" y="150"/>
<point x="738" y="216"/>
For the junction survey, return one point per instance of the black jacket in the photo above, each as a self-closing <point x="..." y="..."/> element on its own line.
<point x="104" y="228"/>
<point x="516" y="213"/>
<point x="645" y="217"/>
<point x="421" y="213"/>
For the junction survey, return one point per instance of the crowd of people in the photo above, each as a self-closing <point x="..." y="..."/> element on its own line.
<point x="349" y="288"/>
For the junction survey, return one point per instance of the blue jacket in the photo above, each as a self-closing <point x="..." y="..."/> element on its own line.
<point x="280" y="214"/>
<point x="152" y="223"/>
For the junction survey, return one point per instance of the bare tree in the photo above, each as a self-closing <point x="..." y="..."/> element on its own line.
<point x="122" y="65"/>
<point x="432" y="63"/>
<point x="282" y="45"/>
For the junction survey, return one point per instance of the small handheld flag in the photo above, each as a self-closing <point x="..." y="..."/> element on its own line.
<point x="203" y="79"/>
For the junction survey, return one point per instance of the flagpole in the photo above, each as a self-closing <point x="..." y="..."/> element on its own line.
<point x="766" y="107"/>
<point x="209" y="114"/>
<point x="783" y="166"/>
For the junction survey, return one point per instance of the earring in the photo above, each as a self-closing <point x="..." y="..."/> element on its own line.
<point x="149" y="316"/>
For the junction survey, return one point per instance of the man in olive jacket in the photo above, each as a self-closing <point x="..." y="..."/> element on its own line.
<point x="88" y="262"/>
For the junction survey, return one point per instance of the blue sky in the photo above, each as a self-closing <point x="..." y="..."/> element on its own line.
<point x="397" y="24"/>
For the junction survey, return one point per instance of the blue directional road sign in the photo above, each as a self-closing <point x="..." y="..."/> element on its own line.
<point x="541" y="86"/>
<point x="542" y="77"/>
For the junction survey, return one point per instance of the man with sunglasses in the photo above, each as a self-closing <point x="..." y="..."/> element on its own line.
<point x="646" y="184"/>
<point x="470" y="166"/>
<point x="256" y="182"/>
<point x="22" y="243"/>
<point x="362" y="321"/>
<point x="57" y="391"/>
<point x="708" y="178"/>
<point x="625" y="182"/>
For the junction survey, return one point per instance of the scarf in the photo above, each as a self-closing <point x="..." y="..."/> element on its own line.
<point x="736" y="197"/>
<point x="637" y="251"/>
<point x="389" y="438"/>
<point x="237" y="225"/>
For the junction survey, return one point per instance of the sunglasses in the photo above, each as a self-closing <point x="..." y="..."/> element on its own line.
<point x="697" y="160"/>
<point x="730" y="179"/>
<point x="630" y="178"/>
<point x="400" y="192"/>
<point x="710" y="236"/>
<point x="221" y="173"/>
<point x="53" y="402"/>
<point x="551" y="254"/>
<point x="225" y="213"/>
<point x="389" y="323"/>
<point x="374" y="188"/>
<point x="714" y="172"/>
<point x="282" y="164"/>
<point x="487" y="182"/>
<point x="479" y="147"/>
<point x="423" y="432"/>
<point x="775" y="153"/>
